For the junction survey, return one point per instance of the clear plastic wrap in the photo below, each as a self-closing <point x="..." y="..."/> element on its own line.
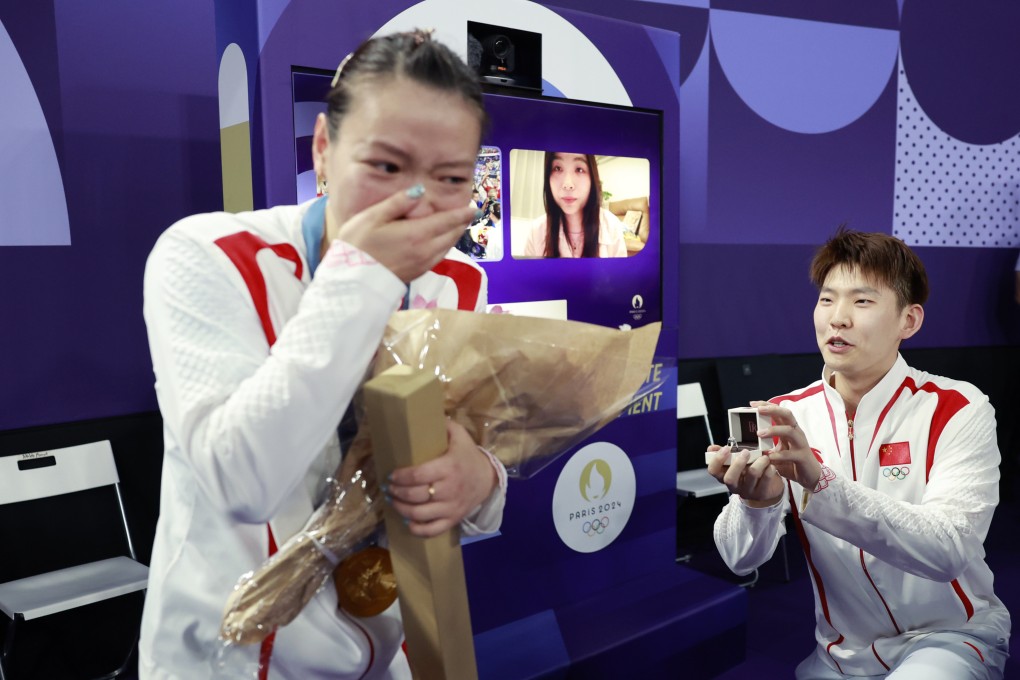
<point x="526" y="389"/>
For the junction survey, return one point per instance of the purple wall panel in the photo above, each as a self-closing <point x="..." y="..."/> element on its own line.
<point x="874" y="13"/>
<point x="289" y="44"/>
<point x="716" y="280"/>
<point x="134" y="118"/>
<point x="33" y="32"/>
<point x="962" y="62"/>
<point x="771" y="186"/>
<point x="757" y="197"/>
<point x="129" y="95"/>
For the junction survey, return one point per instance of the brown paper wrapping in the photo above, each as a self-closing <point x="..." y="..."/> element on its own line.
<point x="526" y="389"/>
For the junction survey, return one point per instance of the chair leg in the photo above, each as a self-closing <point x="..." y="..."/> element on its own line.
<point x="124" y="666"/>
<point x="5" y="653"/>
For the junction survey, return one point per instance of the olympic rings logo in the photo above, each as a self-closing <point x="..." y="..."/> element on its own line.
<point x="899" y="472"/>
<point x="596" y="526"/>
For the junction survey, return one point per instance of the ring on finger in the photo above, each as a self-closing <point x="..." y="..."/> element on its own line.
<point x="432" y="492"/>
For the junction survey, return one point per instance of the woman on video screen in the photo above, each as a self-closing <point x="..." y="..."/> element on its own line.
<point x="574" y="224"/>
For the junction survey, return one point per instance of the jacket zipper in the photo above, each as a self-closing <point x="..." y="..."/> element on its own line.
<point x="864" y="567"/>
<point x="850" y="433"/>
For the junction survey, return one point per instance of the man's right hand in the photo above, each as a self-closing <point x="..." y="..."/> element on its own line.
<point x="757" y="484"/>
<point x="407" y="245"/>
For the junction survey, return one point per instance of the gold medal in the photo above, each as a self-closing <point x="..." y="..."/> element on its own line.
<point x="365" y="584"/>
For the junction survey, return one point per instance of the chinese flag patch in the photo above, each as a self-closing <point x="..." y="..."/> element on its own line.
<point x="894" y="454"/>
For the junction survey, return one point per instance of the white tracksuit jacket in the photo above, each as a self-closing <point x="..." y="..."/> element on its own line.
<point x="894" y="539"/>
<point x="255" y="364"/>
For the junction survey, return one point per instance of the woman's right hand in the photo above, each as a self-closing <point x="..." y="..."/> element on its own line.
<point x="407" y="245"/>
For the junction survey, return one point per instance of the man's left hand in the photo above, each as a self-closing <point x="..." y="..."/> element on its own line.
<point x="792" y="456"/>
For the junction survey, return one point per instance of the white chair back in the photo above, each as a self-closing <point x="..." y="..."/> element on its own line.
<point x="690" y="403"/>
<point x="30" y="476"/>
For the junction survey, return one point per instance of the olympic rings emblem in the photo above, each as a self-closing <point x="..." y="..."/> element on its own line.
<point x="899" y="472"/>
<point x="596" y="526"/>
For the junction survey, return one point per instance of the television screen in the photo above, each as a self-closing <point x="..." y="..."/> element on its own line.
<point x="483" y="239"/>
<point x="605" y="162"/>
<point x="553" y="190"/>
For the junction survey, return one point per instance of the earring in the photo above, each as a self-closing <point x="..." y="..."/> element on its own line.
<point x="320" y="184"/>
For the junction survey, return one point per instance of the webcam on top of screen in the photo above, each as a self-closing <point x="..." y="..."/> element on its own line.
<point x="506" y="57"/>
<point x="744" y="426"/>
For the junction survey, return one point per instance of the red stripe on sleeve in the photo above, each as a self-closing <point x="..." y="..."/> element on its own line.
<point x="241" y="248"/>
<point x="797" y="397"/>
<point x="967" y="605"/>
<point x="468" y="281"/>
<point x="980" y="655"/>
<point x="950" y="403"/>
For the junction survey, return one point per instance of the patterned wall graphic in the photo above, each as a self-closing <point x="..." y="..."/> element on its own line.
<point x="949" y="192"/>
<point x="957" y="142"/>
<point x="898" y="116"/>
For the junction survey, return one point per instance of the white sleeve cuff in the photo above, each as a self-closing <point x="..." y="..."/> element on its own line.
<point x="487" y="517"/>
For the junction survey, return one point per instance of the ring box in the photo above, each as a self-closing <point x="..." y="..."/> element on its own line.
<point x="744" y="425"/>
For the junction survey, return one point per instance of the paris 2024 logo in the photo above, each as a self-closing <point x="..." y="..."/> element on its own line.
<point x="594" y="497"/>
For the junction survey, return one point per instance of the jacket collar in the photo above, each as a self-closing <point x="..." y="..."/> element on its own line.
<point x="877" y="397"/>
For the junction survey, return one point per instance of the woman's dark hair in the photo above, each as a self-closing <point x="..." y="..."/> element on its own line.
<point x="413" y="55"/>
<point x="882" y="258"/>
<point x="590" y="215"/>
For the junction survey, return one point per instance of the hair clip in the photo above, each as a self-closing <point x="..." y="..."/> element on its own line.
<point x="420" y="36"/>
<point x="340" y="70"/>
<point x="423" y="34"/>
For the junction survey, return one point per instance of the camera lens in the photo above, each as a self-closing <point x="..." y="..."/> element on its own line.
<point x="501" y="46"/>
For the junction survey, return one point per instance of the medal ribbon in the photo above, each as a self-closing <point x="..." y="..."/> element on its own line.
<point x="313" y="224"/>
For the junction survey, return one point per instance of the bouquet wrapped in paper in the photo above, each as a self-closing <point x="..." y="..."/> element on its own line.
<point x="526" y="389"/>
